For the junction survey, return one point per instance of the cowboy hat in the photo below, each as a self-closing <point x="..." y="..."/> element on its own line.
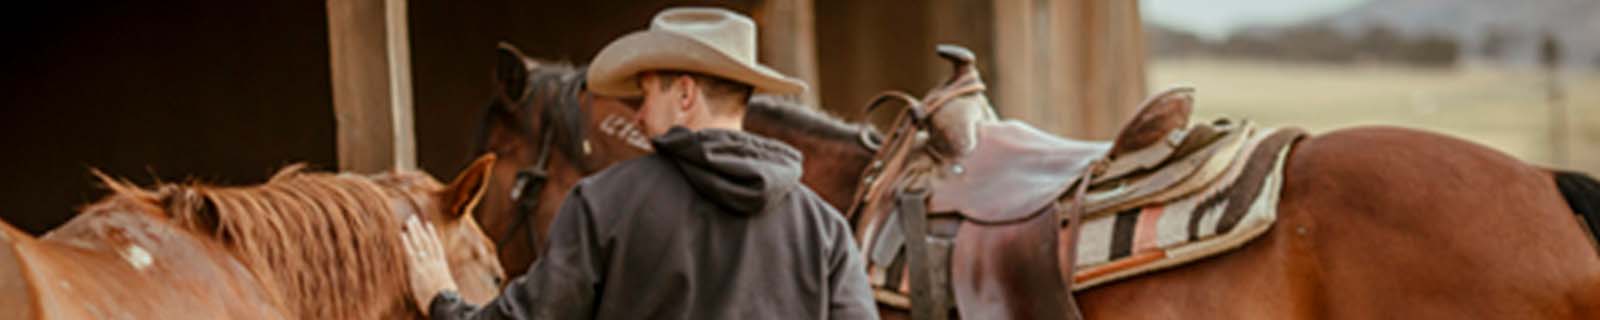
<point x="710" y="41"/>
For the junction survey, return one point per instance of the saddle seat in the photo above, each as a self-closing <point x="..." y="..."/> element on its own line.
<point x="1014" y="169"/>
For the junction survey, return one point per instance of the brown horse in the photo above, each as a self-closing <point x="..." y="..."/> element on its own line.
<point x="1373" y="222"/>
<point x="302" y="246"/>
<point x="1377" y="222"/>
<point x="549" y="133"/>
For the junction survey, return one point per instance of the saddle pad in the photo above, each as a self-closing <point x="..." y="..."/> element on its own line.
<point x="1240" y="206"/>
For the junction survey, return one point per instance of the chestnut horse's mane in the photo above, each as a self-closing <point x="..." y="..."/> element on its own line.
<point x="328" y="244"/>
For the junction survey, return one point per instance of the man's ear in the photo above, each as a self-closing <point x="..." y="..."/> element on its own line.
<point x="464" y="193"/>
<point x="688" y="92"/>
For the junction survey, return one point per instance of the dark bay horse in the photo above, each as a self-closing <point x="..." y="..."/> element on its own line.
<point x="302" y="246"/>
<point x="549" y="133"/>
<point x="1373" y="222"/>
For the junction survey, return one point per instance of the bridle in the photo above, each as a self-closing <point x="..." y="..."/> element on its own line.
<point x="530" y="180"/>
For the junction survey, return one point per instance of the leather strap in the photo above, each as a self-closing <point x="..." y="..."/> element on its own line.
<point x="912" y="204"/>
<point x="1074" y="219"/>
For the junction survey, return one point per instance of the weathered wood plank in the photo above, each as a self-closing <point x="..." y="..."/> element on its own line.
<point x="788" y="41"/>
<point x="371" y="61"/>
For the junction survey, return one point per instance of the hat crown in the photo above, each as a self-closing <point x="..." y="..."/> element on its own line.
<point x="729" y="32"/>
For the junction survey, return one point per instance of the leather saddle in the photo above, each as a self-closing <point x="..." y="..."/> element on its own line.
<point x="972" y="214"/>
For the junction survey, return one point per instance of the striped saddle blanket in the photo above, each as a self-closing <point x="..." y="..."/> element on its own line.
<point x="1203" y="199"/>
<point x="1184" y="224"/>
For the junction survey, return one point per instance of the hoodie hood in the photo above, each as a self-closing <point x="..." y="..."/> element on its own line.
<point x="739" y="171"/>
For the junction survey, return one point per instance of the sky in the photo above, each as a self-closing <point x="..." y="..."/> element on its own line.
<point x="1214" y="19"/>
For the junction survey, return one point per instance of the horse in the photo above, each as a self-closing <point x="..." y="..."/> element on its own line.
<point x="303" y="245"/>
<point x="1371" y="222"/>
<point x="549" y="132"/>
<point x="1378" y="222"/>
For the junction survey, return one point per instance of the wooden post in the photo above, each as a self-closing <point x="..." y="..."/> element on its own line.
<point x="788" y="41"/>
<point x="1013" y="84"/>
<point x="1073" y="67"/>
<point x="371" y="61"/>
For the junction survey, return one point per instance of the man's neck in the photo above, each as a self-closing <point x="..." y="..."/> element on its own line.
<point x="716" y="120"/>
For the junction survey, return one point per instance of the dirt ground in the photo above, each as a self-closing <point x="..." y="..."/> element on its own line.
<point x="1505" y="109"/>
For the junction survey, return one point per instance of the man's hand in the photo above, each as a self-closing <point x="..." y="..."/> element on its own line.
<point x="430" y="274"/>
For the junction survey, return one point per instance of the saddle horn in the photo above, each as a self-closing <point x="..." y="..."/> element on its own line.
<point x="961" y="60"/>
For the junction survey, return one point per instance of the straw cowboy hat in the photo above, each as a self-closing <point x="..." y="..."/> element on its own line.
<point x="711" y="41"/>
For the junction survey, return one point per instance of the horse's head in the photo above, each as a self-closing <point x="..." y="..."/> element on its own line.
<point x="548" y="133"/>
<point x="470" y="253"/>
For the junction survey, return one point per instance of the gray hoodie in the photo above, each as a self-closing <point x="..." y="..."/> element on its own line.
<point x="715" y="225"/>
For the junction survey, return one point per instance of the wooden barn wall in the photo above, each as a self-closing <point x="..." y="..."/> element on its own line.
<point x="452" y="46"/>
<point x="229" y="93"/>
<point x="169" y="92"/>
<point x="866" y="47"/>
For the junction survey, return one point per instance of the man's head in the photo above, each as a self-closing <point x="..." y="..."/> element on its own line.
<point x="691" y="100"/>
<point x="695" y="67"/>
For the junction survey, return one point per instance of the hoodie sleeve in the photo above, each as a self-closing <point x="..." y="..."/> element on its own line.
<point x="850" y="296"/>
<point x="560" y="285"/>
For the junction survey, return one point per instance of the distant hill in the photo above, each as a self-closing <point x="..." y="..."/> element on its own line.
<point x="1429" y="32"/>
<point x="1493" y="31"/>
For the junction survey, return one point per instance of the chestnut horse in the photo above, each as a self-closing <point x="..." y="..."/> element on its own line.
<point x="1373" y="222"/>
<point x="302" y="246"/>
<point x="549" y="133"/>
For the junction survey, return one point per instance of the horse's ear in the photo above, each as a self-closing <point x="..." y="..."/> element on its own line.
<point x="511" y="70"/>
<point x="464" y="193"/>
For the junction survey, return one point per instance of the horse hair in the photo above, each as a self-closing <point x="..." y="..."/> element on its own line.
<point x="805" y="119"/>
<point x="554" y="87"/>
<point x="327" y="245"/>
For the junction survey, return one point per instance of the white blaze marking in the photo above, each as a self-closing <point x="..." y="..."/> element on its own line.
<point x="136" y="257"/>
<point x="621" y="128"/>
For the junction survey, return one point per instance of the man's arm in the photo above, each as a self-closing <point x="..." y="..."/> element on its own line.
<point x="560" y="285"/>
<point x="851" y="295"/>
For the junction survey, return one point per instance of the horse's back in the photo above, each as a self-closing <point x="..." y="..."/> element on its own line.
<point x="1450" y="227"/>
<point x="1382" y="222"/>
<point x="133" y="265"/>
<point x="16" y="292"/>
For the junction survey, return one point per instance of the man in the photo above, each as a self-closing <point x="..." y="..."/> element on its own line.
<point x="714" y="225"/>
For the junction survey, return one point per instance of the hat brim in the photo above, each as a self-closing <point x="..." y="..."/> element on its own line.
<point x="615" y="70"/>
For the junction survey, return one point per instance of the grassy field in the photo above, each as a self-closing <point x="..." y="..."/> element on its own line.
<point x="1504" y="109"/>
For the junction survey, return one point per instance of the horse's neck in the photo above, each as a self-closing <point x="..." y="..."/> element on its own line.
<point x="833" y="165"/>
